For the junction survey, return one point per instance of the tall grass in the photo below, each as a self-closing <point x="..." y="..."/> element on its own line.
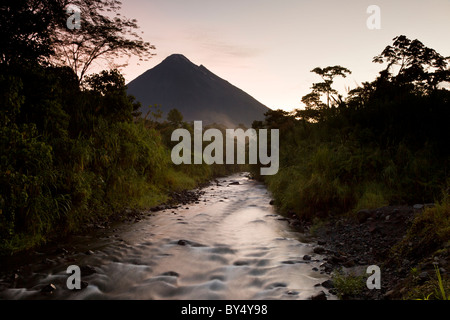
<point x="430" y="230"/>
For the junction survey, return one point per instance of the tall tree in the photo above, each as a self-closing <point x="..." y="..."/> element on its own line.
<point x="415" y="63"/>
<point x="102" y="36"/>
<point x="175" y="118"/>
<point x="26" y="29"/>
<point x="315" y="109"/>
<point x="37" y="30"/>
<point x="109" y="92"/>
<point x="328" y="74"/>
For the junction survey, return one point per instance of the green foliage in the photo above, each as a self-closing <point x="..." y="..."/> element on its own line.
<point x="429" y="231"/>
<point x="175" y="118"/>
<point x="372" y="197"/>
<point x="27" y="27"/>
<point x="433" y="289"/>
<point x="73" y="150"/>
<point x="71" y="157"/>
<point x="440" y="291"/>
<point x="386" y="143"/>
<point x="348" y="285"/>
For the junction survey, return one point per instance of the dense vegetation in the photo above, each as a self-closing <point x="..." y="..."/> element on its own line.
<point x="73" y="148"/>
<point x="385" y="143"/>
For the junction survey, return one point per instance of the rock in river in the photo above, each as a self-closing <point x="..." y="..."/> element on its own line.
<point x="48" y="288"/>
<point x="319" y="296"/>
<point x="319" y="250"/>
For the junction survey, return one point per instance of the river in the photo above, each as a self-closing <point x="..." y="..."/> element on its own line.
<point x="230" y="245"/>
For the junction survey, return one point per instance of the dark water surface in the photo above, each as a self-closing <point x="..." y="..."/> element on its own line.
<point x="233" y="246"/>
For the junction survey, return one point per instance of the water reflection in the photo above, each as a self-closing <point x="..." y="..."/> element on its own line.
<point x="233" y="246"/>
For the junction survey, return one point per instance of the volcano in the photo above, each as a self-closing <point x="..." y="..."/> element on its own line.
<point x="199" y="94"/>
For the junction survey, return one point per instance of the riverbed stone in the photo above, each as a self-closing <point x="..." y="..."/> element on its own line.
<point x="363" y="215"/>
<point x="328" y="284"/>
<point x="424" y="276"/>
<point x="319" y="250"/>
<point x="48" y="288"/>
<point x="171" y="274"/>
<point x="319" y="296"/>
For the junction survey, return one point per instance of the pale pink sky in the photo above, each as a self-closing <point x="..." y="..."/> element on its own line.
<point x="268" y="48"/>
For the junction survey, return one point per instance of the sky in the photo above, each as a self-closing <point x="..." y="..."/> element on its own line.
<point x="268" y="48"/>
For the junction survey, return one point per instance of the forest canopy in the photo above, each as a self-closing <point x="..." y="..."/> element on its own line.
<point x="386" y="142"/>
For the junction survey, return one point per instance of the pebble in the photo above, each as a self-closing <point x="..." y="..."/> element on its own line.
<point x="319" y="250"/>
<point x="319" y="296"/>
<point x="389" y="293"/>
<point x="306" y="257"/>
<point x="333" y="291"/>
<point x="328" y="284"/>
<point x="171" y="274"/>
<point x="424" y="276"/>
<point x="48" y="288"/>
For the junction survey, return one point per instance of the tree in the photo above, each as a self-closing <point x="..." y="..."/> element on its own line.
<point x="417" y="64"/>
<point x="100" y="36"/>
<point x="26" y="29"/>
<point x="36" y="30"/>
<point x="328" y="74"/>
<point x="315" y="109"/>
<point x="278" y="119"/>
<point x="111" y="98"/>
<point x="175" y="118"/>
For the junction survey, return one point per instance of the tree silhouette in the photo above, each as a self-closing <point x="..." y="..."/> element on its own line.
<point x="416" y="63"/>
<point x="175" y="118"/>
<point x="100" y="37"/>
<point x="315" y="109"/>
<point x="36" y="30"/>
<point x="26" y="29"/>
<point x="328" y="74"/>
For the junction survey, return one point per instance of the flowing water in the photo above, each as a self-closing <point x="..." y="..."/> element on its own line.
<point x="230" y="245"/>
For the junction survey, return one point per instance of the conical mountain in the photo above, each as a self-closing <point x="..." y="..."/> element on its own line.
<point x="196" y="92"/>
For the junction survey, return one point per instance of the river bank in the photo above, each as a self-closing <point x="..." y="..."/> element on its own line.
<point x="224" y="224"/>
<point x="379" y="237"/>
